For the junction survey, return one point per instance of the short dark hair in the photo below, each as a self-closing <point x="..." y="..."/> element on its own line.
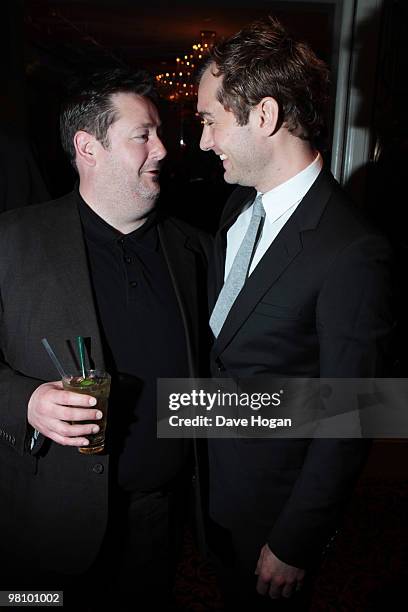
<point x="264" y="60"/>
<point x="89" y="105"/>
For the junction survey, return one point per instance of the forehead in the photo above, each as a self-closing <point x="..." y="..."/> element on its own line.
<point x="207" y="91"/>
<point x="135" y="109"/>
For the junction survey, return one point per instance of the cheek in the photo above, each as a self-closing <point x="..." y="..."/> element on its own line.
<point x="223" y="140"/>
<point x="244" y="147"/>
<point x="134" y="158"/>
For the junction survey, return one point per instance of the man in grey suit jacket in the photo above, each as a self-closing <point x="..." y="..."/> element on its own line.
<point x="315" y="303"/>
<point x="102" y="264"/>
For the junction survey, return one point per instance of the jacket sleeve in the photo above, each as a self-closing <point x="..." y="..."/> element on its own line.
<point x="15" y="387"/>
<point x="15" y="392"/>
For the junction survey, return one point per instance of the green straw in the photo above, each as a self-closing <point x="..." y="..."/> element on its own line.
<point x="81" y="349"/>
<point x="53" y="357"/>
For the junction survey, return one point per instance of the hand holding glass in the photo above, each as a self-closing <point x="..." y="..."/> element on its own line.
<point x="97" y="384"/>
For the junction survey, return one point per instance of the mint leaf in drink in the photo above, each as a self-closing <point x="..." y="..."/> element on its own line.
<point x="86" y="382"/>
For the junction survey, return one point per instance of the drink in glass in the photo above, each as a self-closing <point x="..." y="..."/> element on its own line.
<point x="97" y="384"/>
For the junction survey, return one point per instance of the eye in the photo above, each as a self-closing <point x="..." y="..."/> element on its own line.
<point x="141" y="137"/>
<point x="207" y="122"/>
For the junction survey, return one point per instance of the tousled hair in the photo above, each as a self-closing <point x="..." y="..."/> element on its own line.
<point x="263" y="60"/>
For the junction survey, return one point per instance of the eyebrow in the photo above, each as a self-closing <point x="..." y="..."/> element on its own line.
<point x="146" y="126"/>
<point x="205" y="114"/>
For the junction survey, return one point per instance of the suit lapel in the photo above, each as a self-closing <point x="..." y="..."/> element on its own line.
<point x="65" y="247"/>
<point x="181" y="261"/>
<point x="277" y="258"/>
<point x="286" y="246"/>
<point x="219" y="267"/>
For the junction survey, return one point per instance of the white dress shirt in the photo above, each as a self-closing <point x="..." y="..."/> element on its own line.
<point x="279" y="204"/>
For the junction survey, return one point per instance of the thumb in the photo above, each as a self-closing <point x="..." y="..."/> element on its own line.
<point x="259" y="564"/>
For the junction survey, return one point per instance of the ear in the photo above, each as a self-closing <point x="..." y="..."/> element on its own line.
<point x="85" y="146"/>
<point x="268" y="115"/>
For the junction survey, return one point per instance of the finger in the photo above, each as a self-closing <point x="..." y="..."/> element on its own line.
<point x="259" y="564"/>
<point x="65" y="413"/>
<point x="262" y="586"/>
<point x="68" y="398"/>
<point x="288" y="589"/>
<point x="275" y="591"/>
<point x="71" y="431"/>
<point x="275" y="587"/>
<point x="57" y="384"/>
<point x="64" y="441"/>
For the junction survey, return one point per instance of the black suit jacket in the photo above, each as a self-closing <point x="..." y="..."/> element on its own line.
<point x="54" y="503"/>
<point x="316" y="305"/>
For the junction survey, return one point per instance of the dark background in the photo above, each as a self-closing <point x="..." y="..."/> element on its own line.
<point x="43" y="42"/>
<point x="51" y="40"/>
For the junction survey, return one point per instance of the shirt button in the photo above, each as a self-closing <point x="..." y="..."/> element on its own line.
<point x="128" y="259"/>
<point x="98" y="468"/>
<point x="133" y="284"/>
<point x="121" y="241"/>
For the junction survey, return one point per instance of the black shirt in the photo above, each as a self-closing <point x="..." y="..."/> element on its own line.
<point x="143" y="338"/>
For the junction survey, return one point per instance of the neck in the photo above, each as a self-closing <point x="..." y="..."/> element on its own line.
<point x="118" y="213"/>
<point x="288" y="156"/>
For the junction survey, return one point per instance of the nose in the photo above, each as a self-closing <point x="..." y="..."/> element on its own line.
<point x="206" y="141"/>
<point x="158" y="150"/>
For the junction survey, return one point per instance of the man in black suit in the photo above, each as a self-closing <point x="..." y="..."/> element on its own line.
<point x="103" y="264"/>
<point x="314" y="304"/>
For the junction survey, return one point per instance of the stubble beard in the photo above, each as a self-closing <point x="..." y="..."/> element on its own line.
<point x="244" y="172"/>
<point x="149" y="193"/>
<point x="146" y="196"/>
<point x="126" y="202"/>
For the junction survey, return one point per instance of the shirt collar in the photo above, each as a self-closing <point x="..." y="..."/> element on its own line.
<point x="283" y="197"/>
<point x="99" y="231"/>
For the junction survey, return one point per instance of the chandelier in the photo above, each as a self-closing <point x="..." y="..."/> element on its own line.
<point x="179" y="82"/>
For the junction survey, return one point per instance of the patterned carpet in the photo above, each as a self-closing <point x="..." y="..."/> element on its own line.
<point x="366" y="570"/>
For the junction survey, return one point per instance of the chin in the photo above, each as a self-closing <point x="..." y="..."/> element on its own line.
<point x="149" y="191"/>
<point x="230" y="178"/>
<point x="242" y="181"/>
<point x="152" y="186"/>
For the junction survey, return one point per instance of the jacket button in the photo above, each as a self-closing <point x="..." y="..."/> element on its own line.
<point x="98" y="468"/>
<point x="220" y="365"/>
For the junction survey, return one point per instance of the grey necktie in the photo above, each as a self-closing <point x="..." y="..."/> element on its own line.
<point x="239" y="269"/>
